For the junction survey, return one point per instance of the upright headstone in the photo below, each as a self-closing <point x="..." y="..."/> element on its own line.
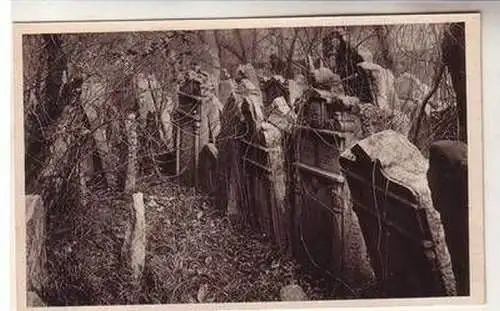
<point x="211" y="109"/>
<point x="138" y="237"/>
<point x="187" y="119"/>
<point x="36" y="259"/>
<point x="271" y="138"/>
<point x="403" y="231"/>
<point x="327" y="233"/>
<point x="381" y="83"/>
<point x="296" y="88"/>
<point x="226" y="88"/>
<point x="448" y="182"/>
<point x="208" y="168"/>
<point x="229" y="168"/>
<point x="93" y="101"/>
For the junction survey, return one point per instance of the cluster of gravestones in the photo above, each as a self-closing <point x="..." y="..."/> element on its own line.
<point x="366" y="235"/>
<point x="307" y="162"/>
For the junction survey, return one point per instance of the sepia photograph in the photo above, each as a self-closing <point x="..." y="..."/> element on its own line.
<point x="249" y="161"/>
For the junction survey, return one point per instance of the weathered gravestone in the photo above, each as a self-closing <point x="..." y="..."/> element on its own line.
<point x="226" y="88"/>
<point x="209" y="168"/>
<point x="33" y="300"/>
<point x="263" y="175"/>
<point x="447" y="176"/>
<point x="36" y="274"/>
<point x="292" y="292"/>
<point x="151" y="99"/>
<point x="93" y="101"/>
<point x="134" y="246"/>
<point x="211" y="109"/>
<point x="326" y="233"/>
<point x="187" y="118"/>
<point x="229" y="169"/>
<point x="381" y="84"/>
<point x="411" y="91"/>
<point x="403" y="231"/>
<point x="296" y="88"/>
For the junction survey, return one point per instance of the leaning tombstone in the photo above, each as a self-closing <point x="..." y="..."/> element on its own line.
<point x="447" y="176"/>
<point x="403" y="231"/>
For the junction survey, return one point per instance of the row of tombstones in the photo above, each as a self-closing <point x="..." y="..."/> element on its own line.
<point x="345" y="214"/>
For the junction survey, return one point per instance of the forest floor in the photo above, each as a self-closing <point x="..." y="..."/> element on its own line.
<point x="193" y="255"/>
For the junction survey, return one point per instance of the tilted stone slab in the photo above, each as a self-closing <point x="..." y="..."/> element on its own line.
<point x="402" y="229"/>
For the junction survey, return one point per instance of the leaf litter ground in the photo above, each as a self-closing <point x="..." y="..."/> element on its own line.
<point x="193" y="254"/>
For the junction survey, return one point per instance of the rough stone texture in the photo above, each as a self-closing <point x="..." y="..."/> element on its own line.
<point x="33" y="300"/>
<point x="226" y="89"/>
<point x="281" y="115"/>
<point x="138" y="238"/>
<point x="36" y="274"/>
<point x="209" y="168"/>
<point x="365" y="54"/>
<point x="271" y="138"/>
<point x="187" y="119"/>
<point x="447" y="176"/>
<point x="381" y="82"/>
<point x="327" y="234"/>
<point x="251" y="75"/>
<point x="410" y="91"/>
<point x="151" y="99"/>
<point x="131" y="130"/>
<point x="399" y="221"/>
<point x="210" y="126"/>
<point x="93" y="102"/>
<point x="249" y="98"/>
<point x="374" y="119"/>
<point x="292" y="293"/>
<point x="296" y="88"/>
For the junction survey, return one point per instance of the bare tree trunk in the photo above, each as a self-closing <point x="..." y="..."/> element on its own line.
<point x="49" y="109"/>
<point x="238" y="36"/>
<point x="453" y="48"/>
<point x="291" y="52"/>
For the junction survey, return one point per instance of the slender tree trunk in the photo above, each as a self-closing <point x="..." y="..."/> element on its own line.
<point x="453" y="48"/>
<point x="48" y="110"/>
<point x="291" y="52"/>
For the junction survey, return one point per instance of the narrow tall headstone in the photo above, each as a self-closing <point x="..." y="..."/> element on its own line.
<point x="93" y="102"/>
<point x="138" y="237"/>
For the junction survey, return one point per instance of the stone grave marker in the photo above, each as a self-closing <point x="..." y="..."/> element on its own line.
<point x="403" y="231"/>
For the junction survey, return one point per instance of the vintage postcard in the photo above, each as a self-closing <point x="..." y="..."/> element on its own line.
<point x="249" y="163"/>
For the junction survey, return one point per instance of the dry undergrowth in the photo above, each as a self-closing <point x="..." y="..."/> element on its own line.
<point x="193" y="254"/>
